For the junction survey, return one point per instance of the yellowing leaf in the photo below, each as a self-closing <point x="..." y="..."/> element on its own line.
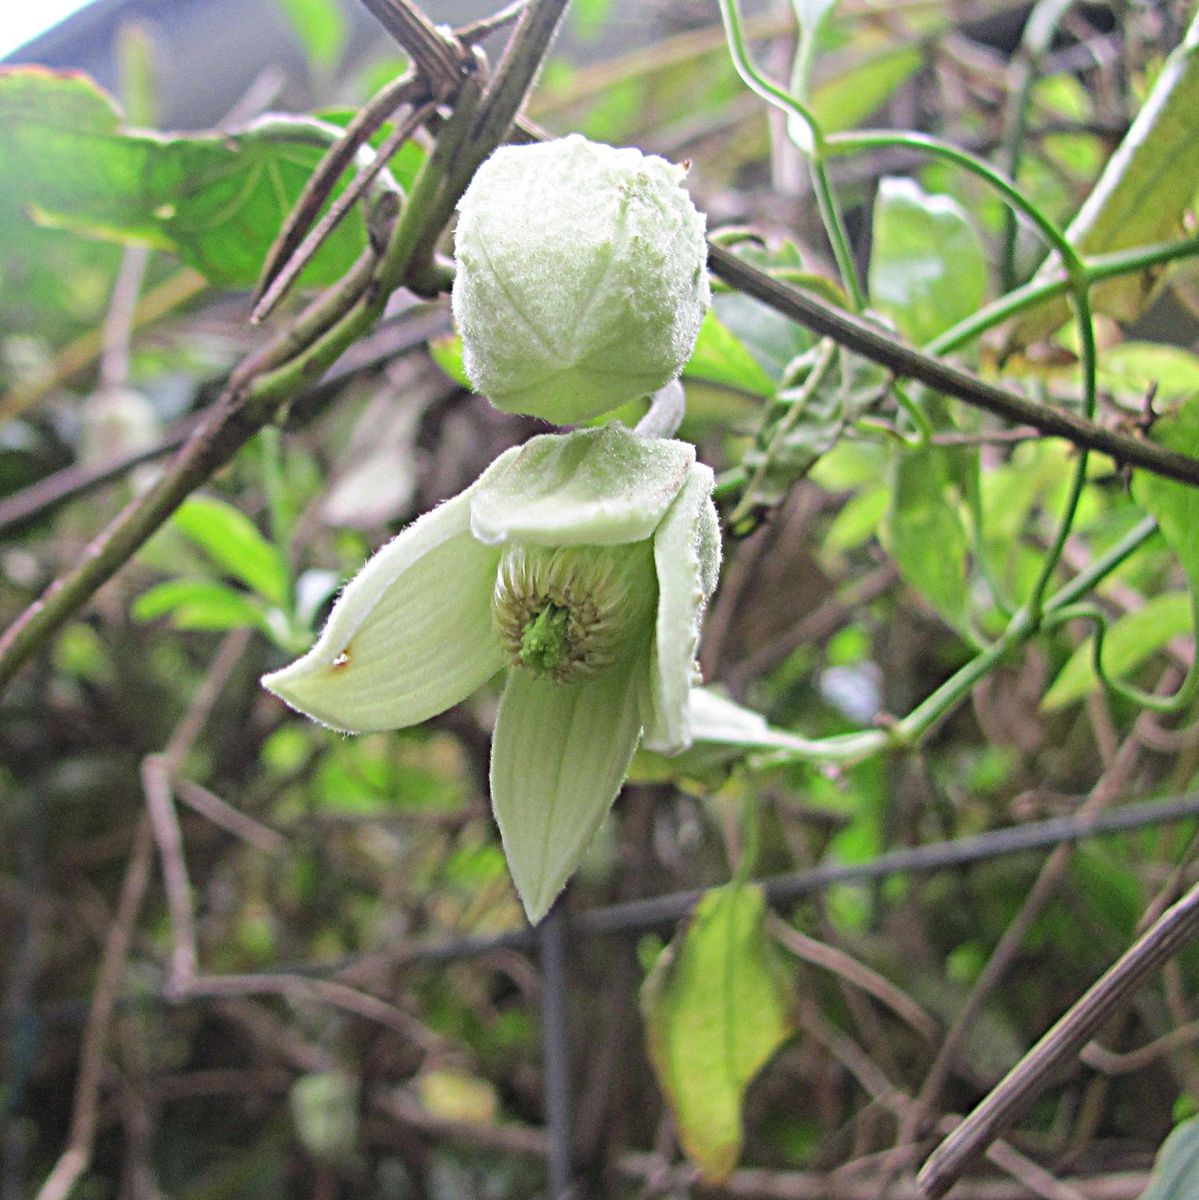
<point x="1141" y="196"/>
<point x="458" y="1096"/>
<point x="716" y="1006"/>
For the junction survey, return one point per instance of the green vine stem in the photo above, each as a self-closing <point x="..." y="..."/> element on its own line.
<point x="1035" y="42"/>
<point x="1166" y="705"/>
<point x="826" y="200"/>
<point x="1086" y="329"/>
<point x="820" y="146"/>
<point x="934" y="147"/>
<point x="1095" y="269"/>
<point x="851" y="748"/>
<point x="1078" y="286"/>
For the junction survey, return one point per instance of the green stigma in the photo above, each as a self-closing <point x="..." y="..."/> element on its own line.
<point x="544" y="643"/>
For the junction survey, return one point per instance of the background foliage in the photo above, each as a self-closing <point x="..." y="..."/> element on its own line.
<point x="911" y="597"/>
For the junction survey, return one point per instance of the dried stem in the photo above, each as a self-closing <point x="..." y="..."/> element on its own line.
<point x="1028" y="1078"/>
<point x="75" y="1158"/>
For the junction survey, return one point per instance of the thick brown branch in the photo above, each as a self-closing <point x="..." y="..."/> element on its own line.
<point x="880" y="347"/>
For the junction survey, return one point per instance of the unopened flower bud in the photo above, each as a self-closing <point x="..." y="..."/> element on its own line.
<point x="581" y="279"/>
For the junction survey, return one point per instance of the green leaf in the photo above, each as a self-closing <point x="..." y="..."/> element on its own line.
<point x="1134" y="367"/>
<point x="321" y="26"/>
<point x="1141" y="197"/>
<point x="928" y="269"/>
<point x="198" y="604"/>
<point x="717" y="1005"/>
<point x="769" y="336"/>
<point x="925" y="534"/>
<point x="589" y="17"/>
<point x="721" y="357"/>
<point x="857" y="520"/>
<point x="845" y="100"/>
<point x="52" y="284"/>
<point x="1175" y="1174"/>
<point x="216" y="200"/>
<point x="1129" y="642"/>
<point x="1175" y="505"/>
<point x="231" y="541"/>
<point x="446" y="352"/>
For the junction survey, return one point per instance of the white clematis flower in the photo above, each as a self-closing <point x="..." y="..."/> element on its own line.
<point x="583" y="561"/>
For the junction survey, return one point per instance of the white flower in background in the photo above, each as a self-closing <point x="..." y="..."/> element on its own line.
<point x="582" y="561"/>
<point x="581" y="279"/>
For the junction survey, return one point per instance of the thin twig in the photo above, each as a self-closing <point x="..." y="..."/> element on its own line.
<point x="1049" y="878"/>
<point x="119" y="322"/>
<point x="1110" y="1063"/>
<point x="160" y="805"/>
<point x="435" y="56"/>
<point x="524" y="1141"/>
<point x="285" y="275"/>
<point x="246" y="405"/>
<point x="75" y="1158"/>
<point x="1028" y="1078"/>
<point x="857" y="973"/>
<point x="210" y="806"/>
<point x="476" y="31"/>
<point x="1026" y="1172"/>
<point x="327" y="991"/>
<point x="407" y="89"/>
<point x="873" y="343"/>
<point x="392" y="338"/>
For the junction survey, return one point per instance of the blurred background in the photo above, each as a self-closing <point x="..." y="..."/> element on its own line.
<point x="370" y="1012"/>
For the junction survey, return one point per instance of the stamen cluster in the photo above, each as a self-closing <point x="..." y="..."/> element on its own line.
<point x="566" y="611"/>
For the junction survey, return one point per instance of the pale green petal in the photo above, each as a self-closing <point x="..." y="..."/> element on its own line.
<point x="558" y="758"/>
<point x="411" y="634"/>
<point x="687" y="560"/>
<point x="717" y="720"/>
<point x="597" y="487"/>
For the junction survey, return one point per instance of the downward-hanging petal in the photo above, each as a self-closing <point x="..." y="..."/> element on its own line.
<point x="687" y="561"/>
<point x="411" y="634"/>
<point x="558" y="757"/>
<point x="593" y="487"/>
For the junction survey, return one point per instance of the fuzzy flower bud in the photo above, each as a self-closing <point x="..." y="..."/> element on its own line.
<point x="581" y="279"/>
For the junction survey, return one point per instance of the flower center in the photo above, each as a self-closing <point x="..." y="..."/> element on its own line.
<point x="570" y="612"/>
<point x="545" y="643"/>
